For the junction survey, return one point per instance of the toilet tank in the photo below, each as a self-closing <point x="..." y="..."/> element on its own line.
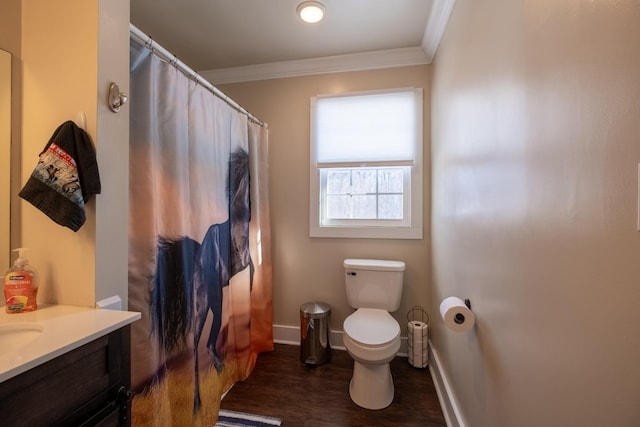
<point x="374" y="283"/>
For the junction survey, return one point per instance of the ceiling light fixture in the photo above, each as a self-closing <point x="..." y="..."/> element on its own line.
<point x="310" y="11"/>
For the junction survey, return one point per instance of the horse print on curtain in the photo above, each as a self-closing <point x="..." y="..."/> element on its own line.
<point x="193" y="275"/>
<point x="199" y="246"/>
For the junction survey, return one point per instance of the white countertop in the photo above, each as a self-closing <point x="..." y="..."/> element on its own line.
<point x="64" y="328"/>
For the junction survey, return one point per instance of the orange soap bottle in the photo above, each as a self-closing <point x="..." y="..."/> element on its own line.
<point x="20" y="285"/>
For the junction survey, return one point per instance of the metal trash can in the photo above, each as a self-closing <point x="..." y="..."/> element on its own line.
<point x="315" y="348"/>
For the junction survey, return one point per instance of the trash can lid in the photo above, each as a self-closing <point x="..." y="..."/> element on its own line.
<point x="315" y="309"/>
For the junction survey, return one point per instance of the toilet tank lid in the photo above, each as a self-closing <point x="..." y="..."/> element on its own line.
<point x="374" y="264"/>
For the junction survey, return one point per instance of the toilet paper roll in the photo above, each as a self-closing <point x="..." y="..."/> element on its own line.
<point x="418" y="343"/>
<point x="417" y="332"/>
<point x="418" y="352"/>
<point x="418" y="329"/>
<point x="456" y="315"/>
<point x="419" y="360"/>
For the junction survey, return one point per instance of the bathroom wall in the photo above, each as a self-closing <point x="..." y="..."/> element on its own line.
<point x="307" y="269"/>
<point x="10" y="38"/>
<point x="71" y="51"/>
<point x="58" y="83"/>
<point x="10" y="26"/>
<point x="535" y="150"/>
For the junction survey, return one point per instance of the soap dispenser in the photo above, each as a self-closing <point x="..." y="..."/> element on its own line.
<point x="20" y="285"/>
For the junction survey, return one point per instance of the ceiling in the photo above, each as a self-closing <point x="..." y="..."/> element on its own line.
<point x="210" y="35"/>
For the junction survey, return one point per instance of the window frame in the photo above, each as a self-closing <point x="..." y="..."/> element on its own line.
<point x="412" y="227"/>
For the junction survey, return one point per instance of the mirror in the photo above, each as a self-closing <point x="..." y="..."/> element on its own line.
<point x="5" y="154"/>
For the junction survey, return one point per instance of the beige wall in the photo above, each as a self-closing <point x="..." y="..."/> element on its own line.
<point x="536" y="144"/>
<point x="58" y="83"/>
<point x="10" y="22"/>
<point x="112" y="136"/>
<point x="307" y="269"/>
<point x="71" y="51"/>
<point x="10" y="40"/>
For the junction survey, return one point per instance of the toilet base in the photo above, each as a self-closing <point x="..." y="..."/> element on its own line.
<point x="371" y="386"/>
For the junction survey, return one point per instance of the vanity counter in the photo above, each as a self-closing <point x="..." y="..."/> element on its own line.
<point x="64" y="328"/>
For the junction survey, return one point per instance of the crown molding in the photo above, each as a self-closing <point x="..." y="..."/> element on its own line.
<point x="330" y="64"/>
<point x="419" y="55"/>
<point x="436" y="24"/>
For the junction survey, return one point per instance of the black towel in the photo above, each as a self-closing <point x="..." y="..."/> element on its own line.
<point x="65" y="176"/>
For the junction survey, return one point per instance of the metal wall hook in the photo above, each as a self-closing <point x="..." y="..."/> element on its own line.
<point x="116" y="98"/>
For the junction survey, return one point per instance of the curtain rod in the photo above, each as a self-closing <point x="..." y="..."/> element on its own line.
<point x="137" y="35"/>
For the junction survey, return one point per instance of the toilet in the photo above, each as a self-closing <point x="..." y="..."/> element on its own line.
<point x="371" y="335"/>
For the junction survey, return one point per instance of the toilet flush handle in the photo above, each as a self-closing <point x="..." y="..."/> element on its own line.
<point x="351" y="273"/>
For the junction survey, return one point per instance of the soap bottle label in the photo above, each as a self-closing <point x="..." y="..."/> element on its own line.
<point x="19" y="293"/>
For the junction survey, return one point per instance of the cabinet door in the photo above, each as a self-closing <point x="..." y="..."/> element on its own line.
<point x="71" y="388"/>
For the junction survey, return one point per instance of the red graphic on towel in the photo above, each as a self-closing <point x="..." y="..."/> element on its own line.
<point x="62" y="155"/>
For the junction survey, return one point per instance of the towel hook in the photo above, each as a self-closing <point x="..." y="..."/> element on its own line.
<point x="82" y="120"/>
<point x="116" y="98"/>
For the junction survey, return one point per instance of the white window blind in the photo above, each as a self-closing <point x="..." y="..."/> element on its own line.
<point x="368" y="129"/>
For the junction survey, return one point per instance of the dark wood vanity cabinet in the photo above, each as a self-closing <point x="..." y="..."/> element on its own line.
<point x="88" y="386"/>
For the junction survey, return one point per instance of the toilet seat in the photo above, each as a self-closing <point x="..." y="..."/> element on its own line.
<point x="371" y="327"/>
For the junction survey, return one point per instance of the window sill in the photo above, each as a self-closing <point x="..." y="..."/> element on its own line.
<point x="367" y="232"/>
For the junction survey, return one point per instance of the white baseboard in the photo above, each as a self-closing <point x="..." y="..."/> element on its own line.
<point x="283" y="334"/>
<point x="448" y="402"/>
<point x="286" y="334"/>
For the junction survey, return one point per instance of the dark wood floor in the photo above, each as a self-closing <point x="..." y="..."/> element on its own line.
<point x="283" y="387"/>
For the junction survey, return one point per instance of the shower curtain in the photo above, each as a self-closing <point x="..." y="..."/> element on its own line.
<point x="199" y="245"/>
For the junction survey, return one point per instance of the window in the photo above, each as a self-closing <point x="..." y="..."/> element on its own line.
<point x="366" y="165"/>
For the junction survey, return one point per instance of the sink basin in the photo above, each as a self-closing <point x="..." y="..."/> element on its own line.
<point x="14" y="336"/>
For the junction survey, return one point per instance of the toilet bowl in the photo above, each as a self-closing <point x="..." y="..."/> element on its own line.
<point x="372" y="339"/>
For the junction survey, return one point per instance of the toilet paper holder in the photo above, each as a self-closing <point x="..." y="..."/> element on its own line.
<point x="459" y="319"/>
<point x="457" y="314"/>
<point x="417" y="337"/>
<point x="418" y="313"/>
